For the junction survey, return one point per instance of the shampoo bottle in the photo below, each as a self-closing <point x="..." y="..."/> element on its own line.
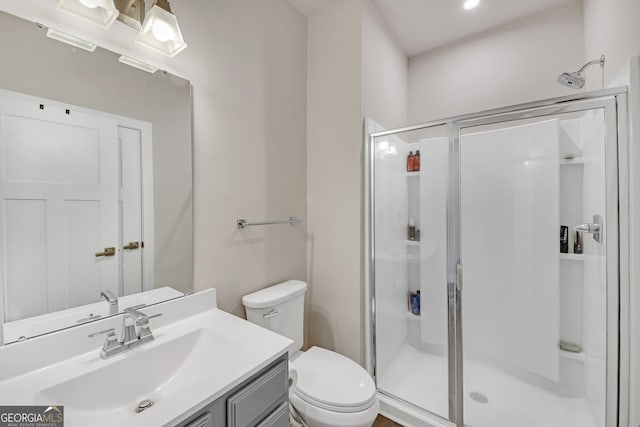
<point x="410" y="161"/>
<point x="411" y="232"/>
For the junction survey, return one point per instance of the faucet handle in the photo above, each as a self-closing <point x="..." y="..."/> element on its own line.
<point x="110" y="343"/>
<point x="109" y="331"/>
<point x="145" y="330"/>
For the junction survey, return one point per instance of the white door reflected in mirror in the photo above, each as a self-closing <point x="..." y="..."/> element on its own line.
<point x="71" y="193"/>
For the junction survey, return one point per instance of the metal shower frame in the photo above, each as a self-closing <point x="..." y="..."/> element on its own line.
<point x="614" y="103"/>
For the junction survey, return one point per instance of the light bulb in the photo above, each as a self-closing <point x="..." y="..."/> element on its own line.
<point x="162" y="31"/>
<point x="91" y="3"/>
<point x="470" y="4"/>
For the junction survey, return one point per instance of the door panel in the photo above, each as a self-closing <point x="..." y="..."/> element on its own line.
<point x="68" y="163"/>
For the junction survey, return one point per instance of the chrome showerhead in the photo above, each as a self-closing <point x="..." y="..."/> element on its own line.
<point x="576" y="80"/>
<point x="573" y="80"/>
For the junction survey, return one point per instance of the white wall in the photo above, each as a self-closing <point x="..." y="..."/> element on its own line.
<point x="246" y="61"/>
<point x="384" y="72"/>
<point x="334" y="189"/>
<point x="610" y="28"/>
<point x="247" y="64"/>
<point x="355" y="68"/>
<point x="516" y="63"/>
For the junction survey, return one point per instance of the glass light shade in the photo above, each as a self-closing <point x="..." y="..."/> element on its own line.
<point x="470" y="4"/>
<point x="160" y="32"/>
<point x="99" y="12"/>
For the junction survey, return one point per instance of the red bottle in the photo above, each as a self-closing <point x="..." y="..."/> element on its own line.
<point x="416" y="161"/>
<point x="411" y="162"/>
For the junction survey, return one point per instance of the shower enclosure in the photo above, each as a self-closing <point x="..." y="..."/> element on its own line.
<point x="478" y="314"/>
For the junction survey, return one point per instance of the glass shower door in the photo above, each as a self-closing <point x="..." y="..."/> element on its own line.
<point x="537" y="228"/>
<point x="410" y="233"/>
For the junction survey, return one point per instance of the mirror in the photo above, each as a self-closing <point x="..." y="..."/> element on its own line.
<point x="65" y="97"/>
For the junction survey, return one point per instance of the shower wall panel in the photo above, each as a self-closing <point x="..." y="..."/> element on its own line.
<point x="391" y="212"/>
<point x="510" y="227"/>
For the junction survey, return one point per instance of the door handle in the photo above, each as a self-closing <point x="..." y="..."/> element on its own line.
<point x="107" y="252"/>
<point x="595" y="228"/>
<point x="132" y="245"/>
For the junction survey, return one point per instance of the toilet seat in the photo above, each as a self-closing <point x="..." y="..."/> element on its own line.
<point x="333" y="382"/>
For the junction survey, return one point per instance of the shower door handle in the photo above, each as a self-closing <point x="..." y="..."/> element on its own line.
<point x="594" y="228"/>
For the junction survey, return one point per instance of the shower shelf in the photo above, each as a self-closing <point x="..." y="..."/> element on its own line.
<point x="574" y="356"/>
<point x="417" y="173"/>
<point x="574" y="161"/>
<point x="572" y="257"/>
<point x="581" y="257"/>
<point x="410" y="315"/>
<point x="413" y="243"/>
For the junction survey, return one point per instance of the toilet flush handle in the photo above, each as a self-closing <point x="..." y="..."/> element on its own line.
<point x="272" y="313"/>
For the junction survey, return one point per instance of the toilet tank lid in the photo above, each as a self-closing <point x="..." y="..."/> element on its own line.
<point x="275" y="294"/>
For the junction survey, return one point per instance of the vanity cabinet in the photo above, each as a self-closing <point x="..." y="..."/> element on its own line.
<point x="260" y="401"/>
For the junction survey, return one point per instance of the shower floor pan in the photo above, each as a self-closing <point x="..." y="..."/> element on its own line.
<point x="492" y="398"/>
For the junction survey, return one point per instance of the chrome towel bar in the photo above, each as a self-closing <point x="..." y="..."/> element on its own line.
<point x="243" y="223"/>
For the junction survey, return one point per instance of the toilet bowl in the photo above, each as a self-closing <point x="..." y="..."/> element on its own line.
<point x="327" y="389"/>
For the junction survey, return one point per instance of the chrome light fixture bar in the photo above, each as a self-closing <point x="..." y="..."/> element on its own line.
<point x="160" y="30"/>
<point x="98" y="12"/>
<point x="71" y="40"/>
<point x="137" y="64"/>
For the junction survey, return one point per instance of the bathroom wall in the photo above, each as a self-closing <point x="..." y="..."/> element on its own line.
<point x="610" y="28"/>
<point x="384" y="72"/>
<point x="355" y="69"/>
<point x="246" y="60"/>
<point x="334" y="177"/>
<point x="512" y="64"/>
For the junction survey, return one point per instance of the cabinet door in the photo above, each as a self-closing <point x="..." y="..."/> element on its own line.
<point x="251" y="403"/>
<point x="278" y="418"/>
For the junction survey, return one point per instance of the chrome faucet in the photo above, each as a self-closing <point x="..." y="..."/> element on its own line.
<point x="112" y="300"/>
<point x="135" y="332"/>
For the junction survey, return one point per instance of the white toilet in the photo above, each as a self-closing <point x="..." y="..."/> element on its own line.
<point x="329" y="390"/>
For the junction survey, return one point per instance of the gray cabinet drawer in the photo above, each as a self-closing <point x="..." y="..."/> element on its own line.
<point x="278" y="418"/>
<point x="253" y="402"/>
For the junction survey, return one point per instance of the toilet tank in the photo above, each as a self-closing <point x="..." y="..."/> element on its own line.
<point x="279" y="308"/>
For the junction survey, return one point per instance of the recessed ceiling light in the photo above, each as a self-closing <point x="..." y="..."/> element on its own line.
<point x="470" y="4"/>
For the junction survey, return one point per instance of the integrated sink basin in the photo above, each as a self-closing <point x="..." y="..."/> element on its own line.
<point x="151" y="373"/>
<point x="198" y="354"/>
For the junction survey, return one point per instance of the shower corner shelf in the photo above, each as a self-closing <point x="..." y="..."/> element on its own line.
<point x="410" y="315"/>
<point x="413" y="243"/>
<point x="572" y="257"/>
<point x="416" y="173"/>
<point x="573" y="356"/>
<point x="572" y="161"/>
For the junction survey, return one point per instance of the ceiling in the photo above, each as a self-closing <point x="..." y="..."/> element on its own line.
<point x="421" y="25"/>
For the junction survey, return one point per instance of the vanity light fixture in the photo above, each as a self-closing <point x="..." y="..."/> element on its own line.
<point x="470" y="4"/>
<point x="160" y="30"/>
<point x="71" y="40"/>
<point x="99" y="12"/>
<point x="138" y="64"/>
